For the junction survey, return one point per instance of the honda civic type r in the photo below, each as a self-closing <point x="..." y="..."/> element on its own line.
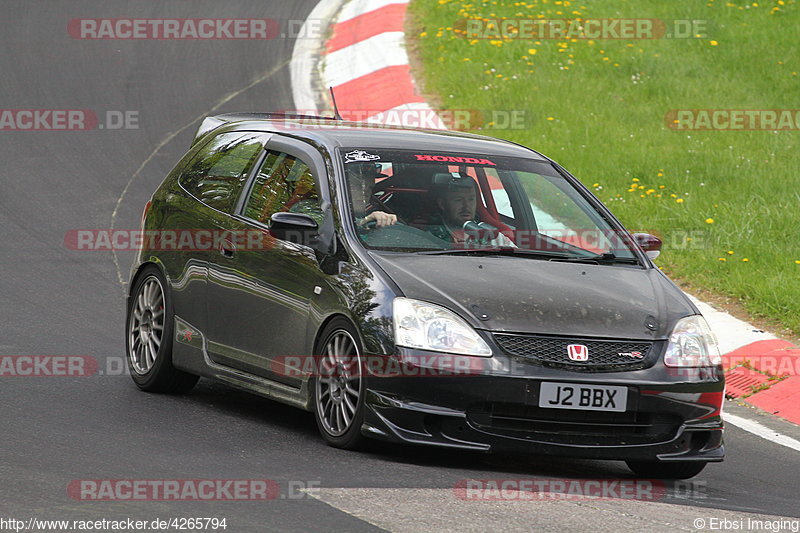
<point x="423" y="287"/>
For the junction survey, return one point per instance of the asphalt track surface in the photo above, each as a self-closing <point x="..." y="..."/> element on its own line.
<point x="57" y="301"/>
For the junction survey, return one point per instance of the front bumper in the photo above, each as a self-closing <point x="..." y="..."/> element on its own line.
<point x="668" y="416"/>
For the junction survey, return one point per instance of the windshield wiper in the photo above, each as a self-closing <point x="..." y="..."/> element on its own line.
<point x="604" y="258"/>
<point x="504" y="250"/>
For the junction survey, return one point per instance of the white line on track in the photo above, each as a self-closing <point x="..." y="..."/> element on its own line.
<point x="751" y="426"/>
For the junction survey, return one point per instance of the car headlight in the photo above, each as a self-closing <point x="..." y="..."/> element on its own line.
<point x="431" y="327"/>
<point x="692" y="343"/>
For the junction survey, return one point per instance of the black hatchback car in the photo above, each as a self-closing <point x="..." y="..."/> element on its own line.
<point x="424" y="287"/>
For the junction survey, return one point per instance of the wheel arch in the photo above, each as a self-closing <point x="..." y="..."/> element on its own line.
<point x="330" y="318"/>
<point x="138" y="273"/>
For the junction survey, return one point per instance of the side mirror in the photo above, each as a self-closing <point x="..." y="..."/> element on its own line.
<point x="649" y="243"/>
<point x="298" y="228"/>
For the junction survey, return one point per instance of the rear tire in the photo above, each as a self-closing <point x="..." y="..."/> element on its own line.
<point x="148" y="337"/>
<point x="338" y="387"/>
<point x="666" y="470"/>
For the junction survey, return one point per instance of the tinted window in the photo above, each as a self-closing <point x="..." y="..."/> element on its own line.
<point x="463" y="200"/>
<point x="284" y="183"/>
<point x="217" y="173"/>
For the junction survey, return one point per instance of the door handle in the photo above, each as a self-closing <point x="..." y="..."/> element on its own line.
<point x="227" y="248"/>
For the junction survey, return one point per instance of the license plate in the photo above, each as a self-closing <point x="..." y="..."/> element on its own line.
<point x="583" y="397"/>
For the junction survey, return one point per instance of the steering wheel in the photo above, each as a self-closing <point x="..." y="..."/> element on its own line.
<point x="372" y="224"/>
<point x="386" y="209"/>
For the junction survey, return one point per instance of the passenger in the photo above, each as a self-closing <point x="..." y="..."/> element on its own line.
<point x="457" y="203"/>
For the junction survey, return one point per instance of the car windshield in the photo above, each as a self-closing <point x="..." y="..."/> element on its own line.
<point x="420" y="201"/>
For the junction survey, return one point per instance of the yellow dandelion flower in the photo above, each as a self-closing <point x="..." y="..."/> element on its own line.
<point x="722" y="259"/>
<point x="709" y="221"/>
<point x="532" y="51"/>
<point x="745" y="260"/>
<point x="679" y="200"/>
<point x="730" y="252"/>
<point x="713" y="43"/>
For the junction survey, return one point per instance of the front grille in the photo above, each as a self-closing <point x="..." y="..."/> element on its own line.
<point x="574" y="427"/>
<point x="603" y="355"/>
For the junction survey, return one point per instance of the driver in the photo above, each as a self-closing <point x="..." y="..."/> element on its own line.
<point x="457" y="202"/>
<point x="361" y="177"/>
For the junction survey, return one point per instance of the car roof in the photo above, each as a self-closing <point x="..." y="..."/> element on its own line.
<point x="339" y="133"/>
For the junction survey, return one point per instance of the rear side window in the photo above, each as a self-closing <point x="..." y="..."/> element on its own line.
<point x="218" y="172"/>
<point x="284" y="183"/>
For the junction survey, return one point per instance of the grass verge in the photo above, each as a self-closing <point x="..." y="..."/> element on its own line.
<point x="726" y="202"/>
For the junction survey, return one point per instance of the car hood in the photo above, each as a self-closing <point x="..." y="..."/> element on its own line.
<point x="516" y="294"/>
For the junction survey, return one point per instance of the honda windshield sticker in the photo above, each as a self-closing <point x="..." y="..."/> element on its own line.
<point x="454" y="159"/>
<point x="359" y="155"/>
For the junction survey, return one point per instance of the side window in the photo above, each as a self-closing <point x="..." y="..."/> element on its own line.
<point x="559" y="215"/>
<point x="218" y="171"/>
<point x="284" y="183"/>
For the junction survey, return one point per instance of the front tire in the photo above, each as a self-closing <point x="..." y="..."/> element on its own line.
<point x="666" y="470"/>
<point x="339" y="386"/>
<point x="148" y="339"/>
